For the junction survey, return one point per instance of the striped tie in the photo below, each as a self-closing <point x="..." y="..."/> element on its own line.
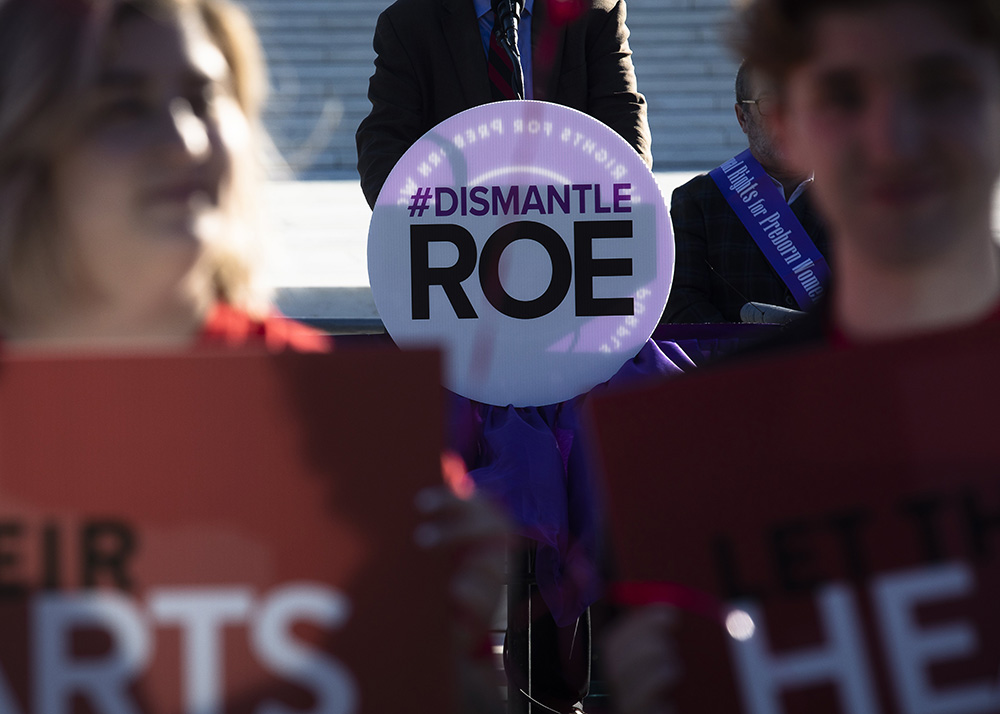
<point x="501" y="71"/>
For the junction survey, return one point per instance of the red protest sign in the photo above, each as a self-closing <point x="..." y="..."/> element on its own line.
<point x="848" y="502"/>
<point x="220" y="533"/>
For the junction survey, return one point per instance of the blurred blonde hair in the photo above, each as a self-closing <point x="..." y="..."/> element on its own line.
<point x="50" y="56"/>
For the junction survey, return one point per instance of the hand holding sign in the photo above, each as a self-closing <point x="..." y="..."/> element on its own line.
<point x="640" y="662"/>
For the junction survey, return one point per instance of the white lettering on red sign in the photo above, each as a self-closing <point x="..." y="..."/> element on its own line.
<point x="843" y="661"/>
<point x="201" y="614"/>
<point x="763" y="675"/>
<point x="912" y="649"/>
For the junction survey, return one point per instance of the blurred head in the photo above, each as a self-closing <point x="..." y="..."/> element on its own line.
<point x="127" y="153"/>
<point x="895" y="104"/>
<point x="779" y="35"/>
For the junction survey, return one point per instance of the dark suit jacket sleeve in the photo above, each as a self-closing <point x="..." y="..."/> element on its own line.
<point x="394" y="122"/>
<point x="612" y="93"/>
<point x="690" y="292"/>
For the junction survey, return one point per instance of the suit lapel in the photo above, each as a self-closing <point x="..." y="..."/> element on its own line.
<point x="458" y="23"/>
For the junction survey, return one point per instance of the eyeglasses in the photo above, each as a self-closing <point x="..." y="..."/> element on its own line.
<point x="765" y="105"/>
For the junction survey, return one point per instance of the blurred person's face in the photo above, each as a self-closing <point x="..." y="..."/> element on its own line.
<point x="142" y="195"/>
<point x="898" y="113"/>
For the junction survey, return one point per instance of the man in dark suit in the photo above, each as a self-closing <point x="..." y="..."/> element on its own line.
<point x="432" y="64"/>
<point x="719" y="267"/>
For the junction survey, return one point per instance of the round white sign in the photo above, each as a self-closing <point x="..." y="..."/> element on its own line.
<point x="530" y="243"/>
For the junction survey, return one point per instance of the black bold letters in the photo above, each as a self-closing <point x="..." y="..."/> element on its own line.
<point x="729" y="576"/>
<point x="585" y="268"/>
<point x="9" y="531"/>
<point x="588" y="267"/>
<point x="106" y="546"/>
<point x="489" y="270"/>
<point x="794" y="557"/>
<point x="924" y="511"/>
<point x="422" y="276"/>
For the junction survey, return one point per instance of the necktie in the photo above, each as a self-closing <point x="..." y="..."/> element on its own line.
<point x="501" y="70"/>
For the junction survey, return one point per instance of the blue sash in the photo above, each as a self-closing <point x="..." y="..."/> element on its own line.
<point x="774" y="228"/>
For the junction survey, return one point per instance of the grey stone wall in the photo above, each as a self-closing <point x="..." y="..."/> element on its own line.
<point x="686" y="74"/>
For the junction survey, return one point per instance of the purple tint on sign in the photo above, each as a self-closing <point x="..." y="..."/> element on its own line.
<point x="465" y="154"/>
<point x="527" y="240"/>
<point x="594" y="337"/>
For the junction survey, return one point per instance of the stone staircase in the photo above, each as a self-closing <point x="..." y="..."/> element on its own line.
<point x="687" y="75"/>
<point x="320" y="58"/>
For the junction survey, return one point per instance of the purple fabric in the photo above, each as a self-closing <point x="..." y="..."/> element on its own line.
<point x="710" y="341"/>
<point x="531" y="462"/>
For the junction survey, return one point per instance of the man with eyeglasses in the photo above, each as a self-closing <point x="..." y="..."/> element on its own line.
<point x="749" y="245"/>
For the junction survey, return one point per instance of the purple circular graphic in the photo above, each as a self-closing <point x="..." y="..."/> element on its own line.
<point x="530" y="243"/>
